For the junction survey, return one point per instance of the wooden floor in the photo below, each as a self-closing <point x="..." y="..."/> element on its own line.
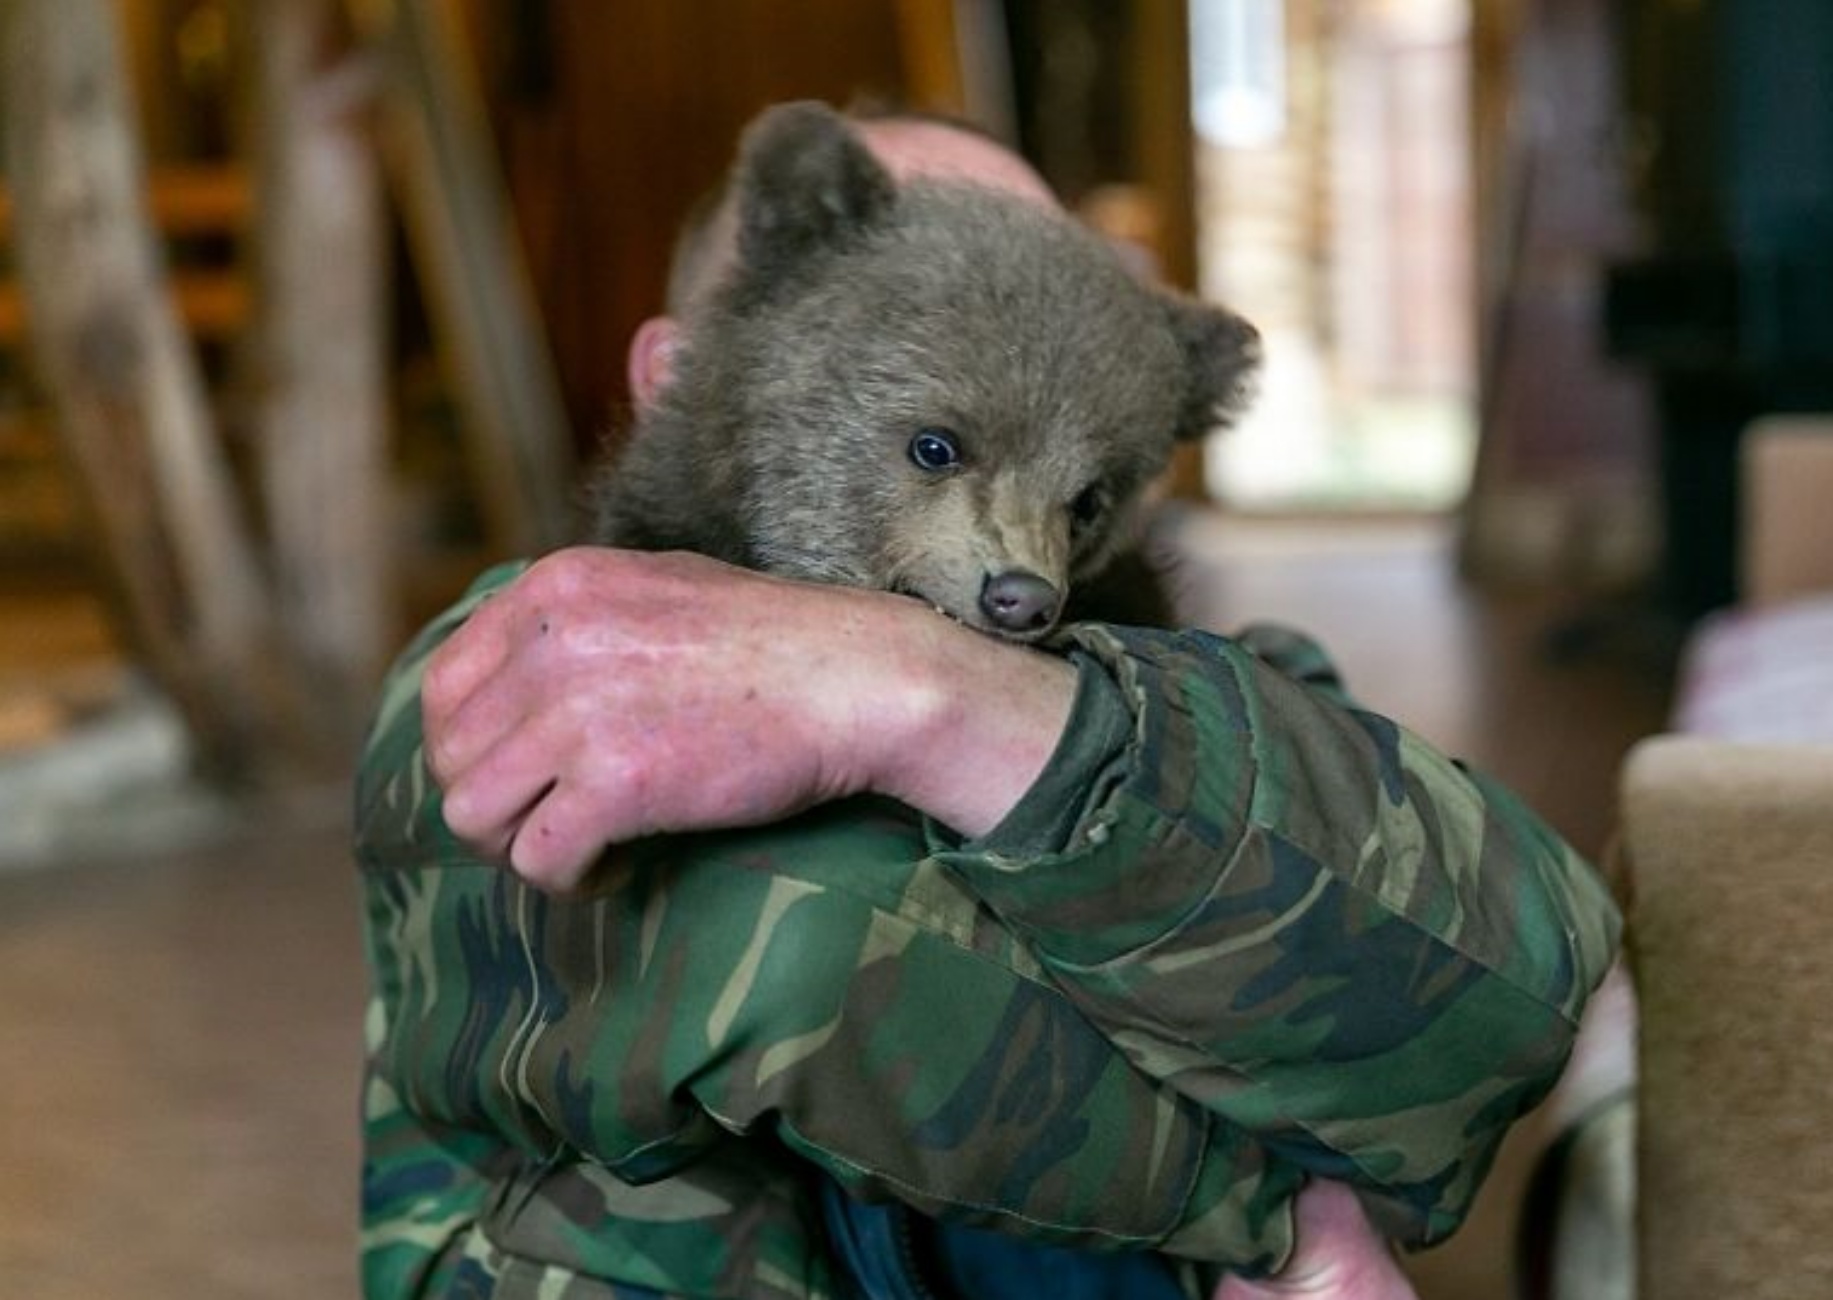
<point x="179" y="1051"/>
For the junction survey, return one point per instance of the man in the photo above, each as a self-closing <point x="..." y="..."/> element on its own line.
<point x="1325" y="950"/>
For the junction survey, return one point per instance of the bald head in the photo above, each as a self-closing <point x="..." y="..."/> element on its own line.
<point x="919" y="148"/>
<point x="909" y="148"/>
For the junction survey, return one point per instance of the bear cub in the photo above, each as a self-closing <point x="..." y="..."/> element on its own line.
<point x="929" y="387"/>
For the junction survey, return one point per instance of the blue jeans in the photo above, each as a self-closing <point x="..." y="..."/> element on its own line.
<point x="893" y="1253"/>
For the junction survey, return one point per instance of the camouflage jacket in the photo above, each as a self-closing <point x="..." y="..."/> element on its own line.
<point x="1283" y="938"/>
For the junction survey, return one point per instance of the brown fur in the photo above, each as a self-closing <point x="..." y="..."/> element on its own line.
<point x="862" y="313"/>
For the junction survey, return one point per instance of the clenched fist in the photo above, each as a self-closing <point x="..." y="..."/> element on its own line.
<point x="607" y="695"/>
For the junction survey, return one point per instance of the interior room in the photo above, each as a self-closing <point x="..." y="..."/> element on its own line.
<point x="311" y="312"/>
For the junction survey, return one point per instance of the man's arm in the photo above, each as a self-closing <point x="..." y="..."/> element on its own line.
<point x="819" y="981"/>
<point x="1311" y="922"/>
<point x="609" y="695"/>
<point x="1300" y="917"/>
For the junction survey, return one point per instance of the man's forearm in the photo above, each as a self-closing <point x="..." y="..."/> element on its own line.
<point x="604" y="695"/>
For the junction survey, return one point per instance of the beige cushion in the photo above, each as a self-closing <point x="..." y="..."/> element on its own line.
<point x="1730" y="848"/>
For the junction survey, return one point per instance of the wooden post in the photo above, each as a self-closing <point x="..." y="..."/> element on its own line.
<point x="1164" y="152"/>
<point x="956" y="60"/>
<point x="318" y="353"/>
<point x="122" y="381"/>
<point x="437" y="148"/>
<point x="931" y="50"/>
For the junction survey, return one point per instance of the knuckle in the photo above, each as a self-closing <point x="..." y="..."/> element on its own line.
<point x="534" y="588"/>
<point x="562" y="573"/>
<point x="437" y="680"/>
<point x="438" y="766"/>
<point x="536" y="859"/>
<point x="438" y="745"/>
<point x="461" y="814"/>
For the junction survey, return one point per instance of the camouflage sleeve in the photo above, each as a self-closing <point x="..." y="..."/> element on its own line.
<point x="820" y="987"/>
<point x="828" y="988"/>
<point x="1311" y="923"/>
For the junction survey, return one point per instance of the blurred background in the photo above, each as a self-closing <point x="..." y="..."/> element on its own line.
<point x="309" y="310"/>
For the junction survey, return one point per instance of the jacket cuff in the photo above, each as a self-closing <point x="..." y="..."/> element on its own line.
<point x="1152" y="825"/>
<point x="1087" y="761"/>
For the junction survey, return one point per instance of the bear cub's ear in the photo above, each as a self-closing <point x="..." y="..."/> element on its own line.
<point x="806" y="184"/>
<point x="1221" y="353"/>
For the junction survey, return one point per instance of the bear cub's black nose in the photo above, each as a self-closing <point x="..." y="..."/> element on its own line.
<point x="1019" y="601"/>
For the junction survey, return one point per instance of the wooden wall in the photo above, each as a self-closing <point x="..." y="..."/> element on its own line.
<point x="612" y="118"/>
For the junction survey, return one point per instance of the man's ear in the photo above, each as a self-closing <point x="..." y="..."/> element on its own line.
<point x="806" y="184"/>
<point x="649" y="365"/>
<point x="1221" y="354"/>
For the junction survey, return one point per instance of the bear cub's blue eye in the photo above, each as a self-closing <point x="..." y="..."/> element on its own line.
<point x="935" y="450"/>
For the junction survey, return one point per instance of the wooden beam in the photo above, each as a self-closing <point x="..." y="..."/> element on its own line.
<point x="1164" y="152"/>
<point x="931" y="48"/>
<point x="198" y="199"/>
<point x="122" y="381"/>
<point x="442" y="167"/>
<point x="211" y="305"/>
<point x="956" y="60"/>
<point x="1164" y="144"/>
<point x="317" y="357"/>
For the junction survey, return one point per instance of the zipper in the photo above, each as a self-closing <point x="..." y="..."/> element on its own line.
<point x="916" y="1278"/>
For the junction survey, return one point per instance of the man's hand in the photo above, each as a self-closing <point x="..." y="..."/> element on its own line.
<point x="1339" y="1256"/>
<point x="607" y="695"/>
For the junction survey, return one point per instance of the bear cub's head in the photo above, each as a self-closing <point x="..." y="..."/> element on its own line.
<point x="931" y="387"/>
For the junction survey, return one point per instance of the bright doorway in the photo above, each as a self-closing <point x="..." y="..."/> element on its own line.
<point x="1335" y="211"/>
